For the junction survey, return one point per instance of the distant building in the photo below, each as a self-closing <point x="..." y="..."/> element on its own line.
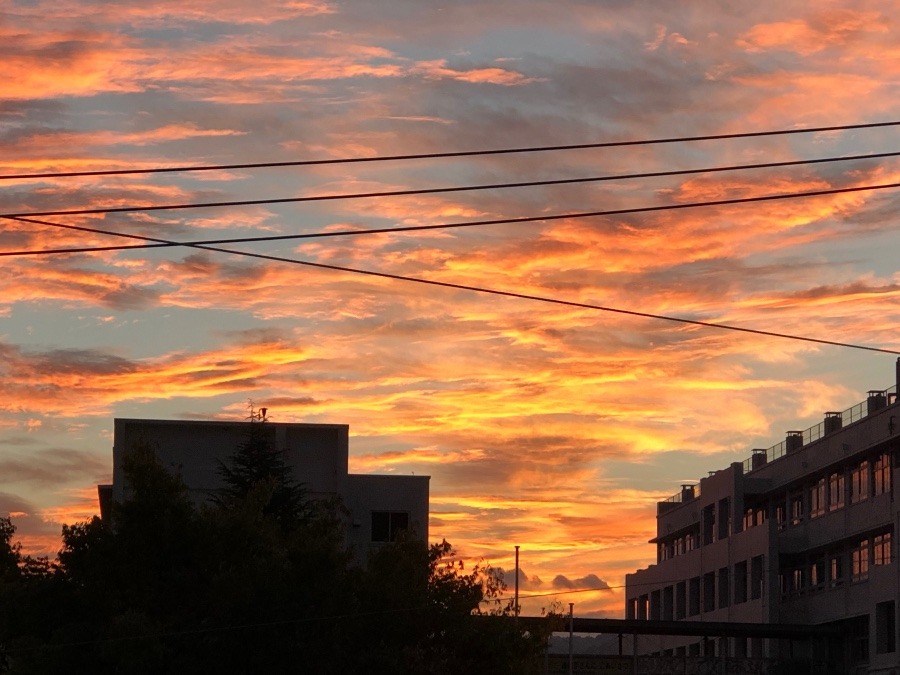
<point x="803" y="532"/>
<point x="379" y="506"/>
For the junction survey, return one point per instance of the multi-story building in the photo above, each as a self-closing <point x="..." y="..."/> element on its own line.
<point x="803" y="532"/>
<point x="377" y="506"/>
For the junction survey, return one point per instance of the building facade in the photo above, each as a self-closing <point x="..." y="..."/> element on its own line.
<point x="378" y="506"/>
<point x="803" y="532"/>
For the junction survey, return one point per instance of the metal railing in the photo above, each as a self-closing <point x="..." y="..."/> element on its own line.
<point x="685" y="495"/>
<point x="849" y="416"/>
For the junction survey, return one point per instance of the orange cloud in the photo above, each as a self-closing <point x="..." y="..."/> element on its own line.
<point x="840" y="27"/>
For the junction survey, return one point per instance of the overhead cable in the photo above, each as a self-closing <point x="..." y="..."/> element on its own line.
<point x="443" y="155"/>
<point x="162" y="243"/>
<point x="512" y="294"/>
<point x="424" y="191"/>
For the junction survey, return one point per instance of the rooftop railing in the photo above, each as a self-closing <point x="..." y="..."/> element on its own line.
<point x="779" y="450"/>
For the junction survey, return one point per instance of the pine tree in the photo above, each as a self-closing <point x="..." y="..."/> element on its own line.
<point x="257" y="471"/>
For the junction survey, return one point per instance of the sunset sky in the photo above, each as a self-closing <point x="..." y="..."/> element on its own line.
<point x="553" y="427"/>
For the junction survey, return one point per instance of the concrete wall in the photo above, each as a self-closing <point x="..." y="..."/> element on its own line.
<point x="369" y="493"/>
<point x="317" y="454"/>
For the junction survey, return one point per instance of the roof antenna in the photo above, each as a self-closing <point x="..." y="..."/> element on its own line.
<point x="257" y="416"/>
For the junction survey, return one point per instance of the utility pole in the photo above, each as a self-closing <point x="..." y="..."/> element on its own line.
<point x="571" y="636"/>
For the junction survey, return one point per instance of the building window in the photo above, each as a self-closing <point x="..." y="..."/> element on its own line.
<point x="724" y="588"/>
<point x="781" y="516"/>
<point x="836" y="576"/>
<point x="757" y="577"/>
<point x="694" y="596"/>
<point x="709" y="592"/>
<point x="709" y="524"/>
<point x="740" y="582"/>
<point x="882" y="474"/>
<point x="859" y="557"/>
<point x="817" y="499"/>
<point x="817" y="574"/>
<point x="387" y="525"/>
<point x="881" y="549"/>
<point x="836" y="489"/>
<point x="797" y="509"/>
<point x="681" y="600"/>
<point x="885" y="627"/>
<point x="858" y="637"/>
<point x="859" y="482"/>
<point x="666" y="550"/>
<point x="753" y="516"/>
<point x="724" y="519"/>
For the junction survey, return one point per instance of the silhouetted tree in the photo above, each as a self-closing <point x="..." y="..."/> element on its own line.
<point x="422" y="612"/>
<point x="10" y="553"/>
<point x="170" y="587"/>
<point x="258" y="471"/>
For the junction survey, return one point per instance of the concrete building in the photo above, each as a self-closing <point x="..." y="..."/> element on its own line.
<point x="379" y="506"/>
<point x="799" y="533"/>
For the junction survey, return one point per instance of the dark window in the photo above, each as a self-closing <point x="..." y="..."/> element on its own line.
<point x="709" y="524"/>
<point x="858" y="633"/>
<point x="885" y="628"/>
<point x="694" y="596"/>
<point x="387" y="525"/>
<point x="668" y="603"/>
<point x="709" y="591"/>
<point x="724" y="519"/>
<point x="757" y="578"/>
<point x="680" y="600"/>
<point x="724" y="588"/>
<point x="740" y="582"/>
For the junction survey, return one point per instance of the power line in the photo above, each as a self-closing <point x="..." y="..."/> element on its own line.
<point x="163" y="243"/>
<point x="443" y="155"/>
<point x="439" y="190"/>
<point x="512" y="294"/>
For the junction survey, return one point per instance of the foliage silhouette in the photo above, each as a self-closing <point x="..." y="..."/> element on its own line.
<point x="170" y="587"/>
<point x="258" y="468"/>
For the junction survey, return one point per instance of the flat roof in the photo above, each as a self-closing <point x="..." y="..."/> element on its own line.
<point x="170" y="422"/>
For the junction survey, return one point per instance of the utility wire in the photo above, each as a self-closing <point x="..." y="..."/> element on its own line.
<point x="442" y="155"/>
<point x="439" y="190"/>
<point x="162" y="243"/>
<point x="520" y="296"/>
